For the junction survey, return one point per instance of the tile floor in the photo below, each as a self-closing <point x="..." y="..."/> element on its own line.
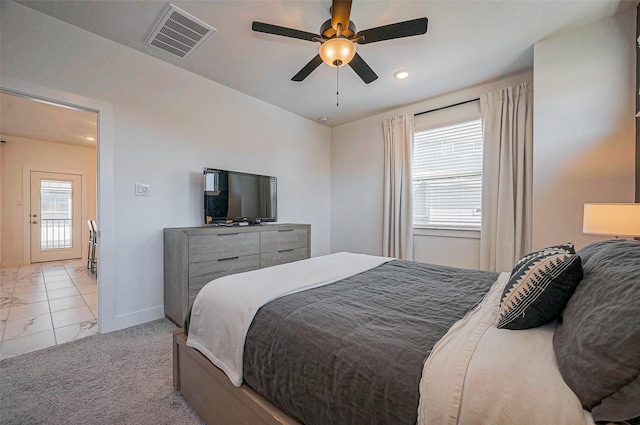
<point x="46" y="304"/>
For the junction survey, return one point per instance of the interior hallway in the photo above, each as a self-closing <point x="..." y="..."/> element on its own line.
<point x="45" y="304"/>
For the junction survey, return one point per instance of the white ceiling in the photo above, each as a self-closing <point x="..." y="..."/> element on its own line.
<point x="467" y="43"/>
<point x="38" y="120"/>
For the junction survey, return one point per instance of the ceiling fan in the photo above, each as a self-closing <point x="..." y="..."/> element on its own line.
<point x="338" y="38"/>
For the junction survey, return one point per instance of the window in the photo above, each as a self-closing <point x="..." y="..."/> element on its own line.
<point x="447" y="175"/>
<point x="56" y="214"/>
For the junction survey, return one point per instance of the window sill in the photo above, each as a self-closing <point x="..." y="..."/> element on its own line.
<point x="446" y="233"/>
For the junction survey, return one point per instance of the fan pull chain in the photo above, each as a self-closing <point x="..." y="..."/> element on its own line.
<point x="337" y="88"/>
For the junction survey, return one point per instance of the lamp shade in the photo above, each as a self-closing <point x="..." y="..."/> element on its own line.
<point x="612" y="219"/>
<point x="337" y="51"/>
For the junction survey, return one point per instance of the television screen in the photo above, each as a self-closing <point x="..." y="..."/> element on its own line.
<point x="231" y="196"/>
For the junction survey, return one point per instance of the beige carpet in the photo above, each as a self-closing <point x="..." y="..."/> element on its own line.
<point x="123" y="377"/>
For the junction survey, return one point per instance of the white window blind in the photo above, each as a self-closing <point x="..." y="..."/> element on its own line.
<point x="447" y="176"/>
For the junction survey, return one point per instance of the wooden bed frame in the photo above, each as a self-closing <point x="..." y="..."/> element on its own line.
<point x="210" y="392"/>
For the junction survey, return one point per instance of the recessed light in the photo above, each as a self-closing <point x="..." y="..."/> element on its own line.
<point x="323" y="119"/>
<point x="90" y="138"/>
<point x="401" y="75"/>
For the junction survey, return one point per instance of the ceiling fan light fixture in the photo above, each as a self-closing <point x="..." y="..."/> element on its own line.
<point x="401" y="75"/>
<point x="337" y="51"/>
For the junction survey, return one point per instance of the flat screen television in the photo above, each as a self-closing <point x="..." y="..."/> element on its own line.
<point x="232" y="196"/>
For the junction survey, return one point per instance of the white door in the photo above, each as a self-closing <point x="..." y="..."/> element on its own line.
<point x="55" y="218"/>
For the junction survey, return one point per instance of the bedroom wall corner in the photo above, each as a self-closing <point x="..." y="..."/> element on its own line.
<point x="584" y="130"/>
<point x="357" y="170"/>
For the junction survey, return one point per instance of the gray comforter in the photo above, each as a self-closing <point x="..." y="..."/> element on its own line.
<point x="352" y="352"/>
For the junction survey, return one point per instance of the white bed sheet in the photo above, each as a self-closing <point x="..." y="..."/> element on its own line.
<point x="479" y="374"/>
<point x="224" y="308"/>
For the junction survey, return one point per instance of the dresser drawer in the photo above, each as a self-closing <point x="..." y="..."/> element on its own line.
<point x="279" y="240"/>
<point x="204" y="272"/>
<point x="280" y="257"/>
<point x="194" y="256"/>
<point x="223" y="245"/>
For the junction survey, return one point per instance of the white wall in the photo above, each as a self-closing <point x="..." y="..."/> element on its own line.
<point x="583" y="84"/>
<point x="584" y="129"/>
<point x="22" y="155"/>
<point x="357" y="170"/>
<point x="167" y="125"/>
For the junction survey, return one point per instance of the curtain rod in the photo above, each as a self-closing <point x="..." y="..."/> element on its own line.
<point x="446" y="107"/>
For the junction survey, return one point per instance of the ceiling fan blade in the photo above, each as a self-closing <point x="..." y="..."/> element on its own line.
<point x="362" y="69"/>
<point x="389" y="32"/>
<point x="340" y="12"/>
<point x="308" y="69"/>
<point x="283" y="31"/>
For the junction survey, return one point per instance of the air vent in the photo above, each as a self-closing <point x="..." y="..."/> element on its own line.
<point x="179" y="33"/>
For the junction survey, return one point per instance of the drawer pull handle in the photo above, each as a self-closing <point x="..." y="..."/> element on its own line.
<point x="229" y="258"/>
<point x="227" y="234"/>
<point x="286" y="230"/>
<point x="286" y="250"/>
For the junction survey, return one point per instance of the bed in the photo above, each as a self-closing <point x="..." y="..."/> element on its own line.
<point x="355" y="339"/>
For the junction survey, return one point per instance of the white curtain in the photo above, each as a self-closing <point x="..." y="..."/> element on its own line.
<point x="397" y="240"/>
<point x="507" y="127"/>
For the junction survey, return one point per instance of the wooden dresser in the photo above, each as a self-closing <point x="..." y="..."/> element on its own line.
<point x="194" y="256"/>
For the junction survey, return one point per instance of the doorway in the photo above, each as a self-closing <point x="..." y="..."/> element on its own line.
<point x="49" y="190"/>
<point x="55" y="217"/>
<point x="107" y="319"/>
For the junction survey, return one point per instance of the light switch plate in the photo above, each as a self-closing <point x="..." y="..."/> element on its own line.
<point x="143" y="189"/>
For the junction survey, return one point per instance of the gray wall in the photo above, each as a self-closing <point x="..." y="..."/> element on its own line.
<point x="584" y="130"/>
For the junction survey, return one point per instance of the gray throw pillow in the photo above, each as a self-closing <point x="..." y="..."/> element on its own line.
<point x="597" y="342"/>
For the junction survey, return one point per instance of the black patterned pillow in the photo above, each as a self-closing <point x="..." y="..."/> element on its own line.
<point x="565" y="247"/>
<point x="540" y="286"/>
